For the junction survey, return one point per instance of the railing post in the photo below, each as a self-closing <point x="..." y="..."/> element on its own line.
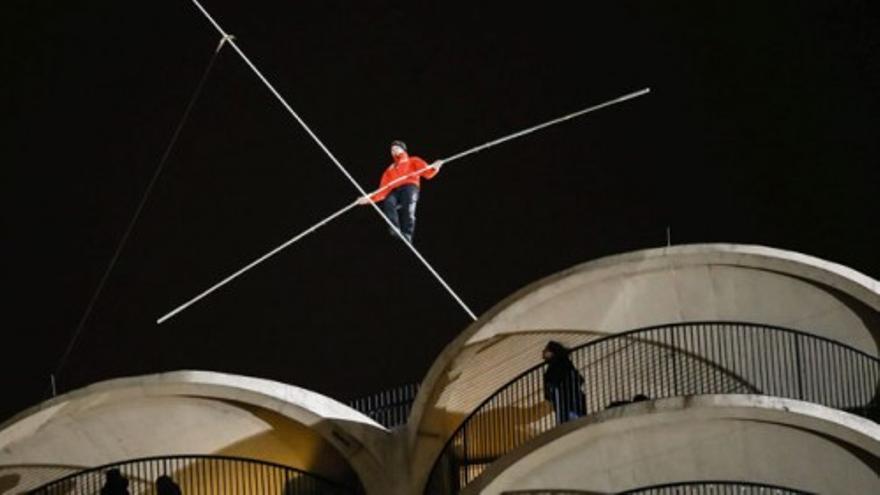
<point x="464" y="461"/>
<point x="675" y="352"/>
<point x="798" y="366"/>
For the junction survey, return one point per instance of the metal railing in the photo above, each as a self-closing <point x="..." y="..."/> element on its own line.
<point x="390" y="408"/>
<point x="197" y="475"/>
<point x="684" y="488"/>
<point x="658" y="362"/>
<point x="715" y="488"/>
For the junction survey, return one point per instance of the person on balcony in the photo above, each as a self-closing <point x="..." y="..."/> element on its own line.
<point x="166" y="486"/>
<point x="399" y="188"/>
<point x="563" y="384"/>
<point x="115" y="483"/>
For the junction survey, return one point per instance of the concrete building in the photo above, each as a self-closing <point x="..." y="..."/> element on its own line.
<point x="704" y="367"/>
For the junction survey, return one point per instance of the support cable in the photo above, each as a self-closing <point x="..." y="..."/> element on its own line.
<point x="127" y="233"/>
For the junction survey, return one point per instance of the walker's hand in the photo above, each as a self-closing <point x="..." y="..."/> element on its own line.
<point x="363" y="200"/>
<point x="437" y="164"/>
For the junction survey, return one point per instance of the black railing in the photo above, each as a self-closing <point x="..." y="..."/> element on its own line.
<point x="657" y="362"/>
<point x="686" y="488"/>
<point x="715" y="488"/>
<point x="390" y="408"/>
<point x="197" y="475"/>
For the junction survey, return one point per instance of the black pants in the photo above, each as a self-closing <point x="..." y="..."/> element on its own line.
<point x="400" y="207"/>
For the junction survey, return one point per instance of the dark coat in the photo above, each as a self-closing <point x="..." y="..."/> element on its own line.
<point x="563" y="385"/>
<point x="115" y="484"/>
<point x="166" y="486"/>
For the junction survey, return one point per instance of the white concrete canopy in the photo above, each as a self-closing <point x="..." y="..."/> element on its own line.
<point x="704" y="282"/>
<point x="193" y="412"/>
<point x="734" y="438"/>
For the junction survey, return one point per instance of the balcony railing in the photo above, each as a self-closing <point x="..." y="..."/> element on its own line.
<point x="715" y="488"/>
<point x="685" y="488"/>
<point x="658" y="362"/>
<point x="390" y="408"/>
<point x="196" y="475"/>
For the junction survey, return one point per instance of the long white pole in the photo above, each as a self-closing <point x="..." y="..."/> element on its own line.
<point x="256" y="262"/>
<point x="344" y="209"/>
<point x="517" y="134"/>
<point x="538" y="127"/>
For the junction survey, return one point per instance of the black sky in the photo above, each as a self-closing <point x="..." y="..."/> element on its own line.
<point x="761" y="128"/>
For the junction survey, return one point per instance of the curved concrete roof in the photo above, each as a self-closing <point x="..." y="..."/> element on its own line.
<point x="692" y="282"/>
<point x="195" y="412"/>
<point x="723" y="437"/>
<point x="701" y="282"/>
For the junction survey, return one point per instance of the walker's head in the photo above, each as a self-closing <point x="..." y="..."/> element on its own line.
<point x="397" y="148"/>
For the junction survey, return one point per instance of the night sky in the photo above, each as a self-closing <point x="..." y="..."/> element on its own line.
<point x="761" y="128"/>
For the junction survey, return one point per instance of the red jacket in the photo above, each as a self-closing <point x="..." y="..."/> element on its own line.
<point x="403" y="165"/>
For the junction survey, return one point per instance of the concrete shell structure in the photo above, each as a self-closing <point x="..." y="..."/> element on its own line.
<point x="191" y="412"/>
<point x="712" y="282"/>
<point x="744" y="430"/>
<point x="752" y="439"/>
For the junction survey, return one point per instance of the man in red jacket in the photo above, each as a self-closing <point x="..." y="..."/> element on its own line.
<point x="399" y="188"/>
